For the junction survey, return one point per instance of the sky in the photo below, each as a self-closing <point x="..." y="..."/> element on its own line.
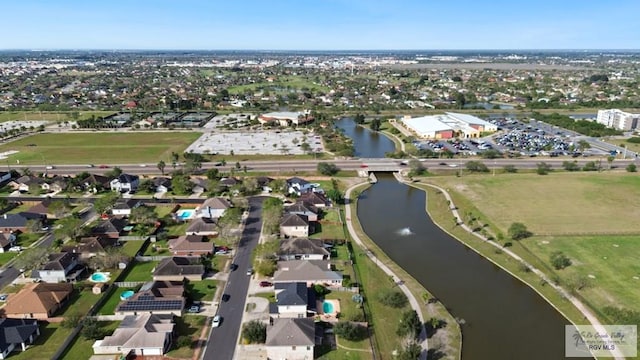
<point x="320" y="24"/>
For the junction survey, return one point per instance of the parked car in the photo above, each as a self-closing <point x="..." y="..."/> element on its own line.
<point x="225" y="297"/>
<point x="265" y="284"/>
<point x="233" y="267"/>
<point x="250" y="271"/>
<point x="15" y="248"/>
<point x="217" y="320"/>
<point x="194" y="309"/>
<point x="3" y="297"/>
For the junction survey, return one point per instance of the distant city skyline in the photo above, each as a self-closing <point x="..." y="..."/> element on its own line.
<point x="320" y="25"/>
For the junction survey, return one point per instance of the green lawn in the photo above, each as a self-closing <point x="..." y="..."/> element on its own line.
<point x="96" y="148"/>
<point x="330" y="226"/>
<point x="610" y="263"/>
<point x="131" y="248"/>
<point x="109" y="306"/>
<point x="191" y="326"/>
<point x="6" y="257"/>
<point x="202" y="290"/>
<point x="177" y="230"/>
<point x="323" y="352"/>
<point x="157" y="248"/>
<point x="81" y="348"/>
<point x="80" y="303"/>
<point x="141" y="271"/>
<point x="51" y="337"/>
<point x="57" y="116"/>
<point x="271" y="296"/>
<point x="555" y="204"/>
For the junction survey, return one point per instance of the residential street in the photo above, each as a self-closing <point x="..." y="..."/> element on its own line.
<point x="222" y="341"/>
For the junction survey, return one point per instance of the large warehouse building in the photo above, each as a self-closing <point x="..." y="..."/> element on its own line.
<point x="447" y="126"/>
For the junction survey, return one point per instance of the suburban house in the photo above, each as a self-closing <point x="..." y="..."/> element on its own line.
<point x="7" y="240"/>
<point x="213" y="208"/>
<point x="111" y="227"/>
<point x="292" y="300"/>
<point x="16" y="333"/>
<point x="202" y="226"/>
<point x="37" y="301"/>
<point x="161" y="184"/>
<point x="47" y="208"/>
<point x="303" y="249"/>
<point x="291" y="339"/>
<point x="61" y="267"/>
<point x="191" y="245"/>
<point x="299" y="186"/>
<point x="10" y="223"/>
<point x="95" y="183"/>
<point x="91" y="246"/>
<point x="305" y="209"/>
<point x="156" y="297"/>
<point x="229" y="181"/>
<point x="200" y="184"/>
<point x="264" y="182"/>
<point x="178" y="268"/>
<point x="26" y="182"/>
<point x="294" y="225"/>
<point x="125" y="183"/>
<point x="310" y="272"/>
<point x="123" y="207"/>
<point x="144" y="335"/>
<point x="315" y="198"/>
<point x="55" y="184"/>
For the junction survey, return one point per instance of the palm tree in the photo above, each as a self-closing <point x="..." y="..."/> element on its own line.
<point x="161" y="166"/>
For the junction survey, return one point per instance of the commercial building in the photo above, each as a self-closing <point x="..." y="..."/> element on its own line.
<point x="618" y="119"/>
<point x="285" y="118"/>
<point x="447" y="126"/>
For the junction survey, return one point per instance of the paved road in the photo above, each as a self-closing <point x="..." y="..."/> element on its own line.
<point x="222" y="341"/>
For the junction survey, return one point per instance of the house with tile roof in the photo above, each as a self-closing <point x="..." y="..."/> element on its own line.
<point x="291" y="338"/>
<point x="191" y="245"/>
<point x="17" y="334"/>
<point x="37" y="301"/>
<point x="178" y="268"/>
<point x="310" y="272"/>
<point x="144" y="335"/>
<point x="294" y="225"/>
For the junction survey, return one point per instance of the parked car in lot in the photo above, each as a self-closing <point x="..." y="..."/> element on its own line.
<point x="217" y="320"/>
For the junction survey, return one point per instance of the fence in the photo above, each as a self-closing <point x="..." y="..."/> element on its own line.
<point x="128" y="284"/>
<point x="151" y="258"/>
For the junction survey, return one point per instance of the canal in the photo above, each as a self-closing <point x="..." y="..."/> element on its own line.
<point x="501" y="318"/>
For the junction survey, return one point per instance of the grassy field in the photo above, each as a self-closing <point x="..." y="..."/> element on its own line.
<point x="191" y="326"/>
<point x="202" y="290"/>
<point x="623" y="142"/>
<point x="81" y="348"/>
<point x="555" y="204"/>
<point x="141" y="271"/>
<point x="49" y="115"/>
<point x="96" y="148"/>
<point x="609" y="263"/>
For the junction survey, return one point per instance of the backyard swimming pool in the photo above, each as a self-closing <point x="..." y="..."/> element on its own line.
<point x="185" y="214"/>
<point x="126" y="294"/>
<point x="99" y="277"/>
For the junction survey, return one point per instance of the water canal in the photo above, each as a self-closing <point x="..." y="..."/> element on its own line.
<point x="501" y="317"/>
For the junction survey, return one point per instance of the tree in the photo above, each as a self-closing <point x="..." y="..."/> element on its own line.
<point x="590" y="166"/>
<point x="610" y="160"/>
<point x="32" y="259"/>
<point x="583" y="145"/>
<point x="543" y="168"/>
<point x="359" y="119"/>
<point x="476" y="166"/>
<point x="416" y="168"/>
<point x="409" y="325"/>
<point x="411" y="351"/>
<point x="375" y="124"/>
<point x="510" y="169"/>
<point x="147" y="186"/>
<point x="393" y="298"/>
<point x="460" y="100"/>
<point x="181" y="184"/>
<point x="632" y="168"/>
<point x="70" y="227"/>
<point x="255" y="332"/>
<point x="350" y="331"/>
<point x="559" y="260"/>
<point x="113" y="173"/>
<point x="335" y="195"/>
<point x="328" y="169"/>
<point x="103" y="204"/>
<point x="109" y="260"/>
<point x="143" y="215"/>
<point x="161" y="166"/>
<point x="491" y="154"/>
<point x="570" y="165"/>
<point x="213" y="174"/>
<point x="91" y="329"/>
<point x="518" y="231"/>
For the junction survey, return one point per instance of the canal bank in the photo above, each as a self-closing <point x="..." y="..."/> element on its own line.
<point x="500" y="317"/>
<point x="442" y="342"/>
<point x="587" y="314"/>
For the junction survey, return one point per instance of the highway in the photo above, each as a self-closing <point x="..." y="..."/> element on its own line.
<point x="222" y="340"/>
<point x="382" y="164"/>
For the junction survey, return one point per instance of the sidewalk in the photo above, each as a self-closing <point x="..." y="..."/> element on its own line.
<point x="412" y="300"/>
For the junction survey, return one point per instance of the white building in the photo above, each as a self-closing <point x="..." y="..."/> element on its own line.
<point x="447" y="126"/>
<point x="618" y="119"/>
<point x="286" y="118"/>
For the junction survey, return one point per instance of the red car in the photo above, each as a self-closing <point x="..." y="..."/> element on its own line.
<point x="103" y="167"/>
<point x="364" y="166"/>
<point x="265" y="284"/>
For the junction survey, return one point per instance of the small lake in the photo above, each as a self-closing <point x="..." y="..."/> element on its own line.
<point x="367" y="143"/>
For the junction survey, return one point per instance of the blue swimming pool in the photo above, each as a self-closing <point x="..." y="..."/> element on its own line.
<point x="327" y="307"/>
<point x="99" y="277"/>
<point x="186" y="214"/>
<point x="126" y="294"/>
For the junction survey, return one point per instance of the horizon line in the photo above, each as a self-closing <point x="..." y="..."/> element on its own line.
<point x="317" y="50"/>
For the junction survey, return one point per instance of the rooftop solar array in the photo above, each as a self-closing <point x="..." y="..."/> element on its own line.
<point x="151" y="303"/>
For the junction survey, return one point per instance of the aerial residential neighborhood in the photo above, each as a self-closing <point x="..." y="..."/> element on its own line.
<point x="252" y="180"/>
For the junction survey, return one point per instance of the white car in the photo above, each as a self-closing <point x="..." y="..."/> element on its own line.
<point x="15" y="248"/>
<point x="216" y="321"/>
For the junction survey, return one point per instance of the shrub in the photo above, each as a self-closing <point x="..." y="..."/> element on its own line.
<point x="559" y="260"/>
<point x="255" y="332"/>
<point x="409" y="324"/>
<point x="350" y="331"/>
<point x="632" y="168"/>
<point x="183" y="341"/>
<point x="518" y="231"/>
<point x="393" y="298"/>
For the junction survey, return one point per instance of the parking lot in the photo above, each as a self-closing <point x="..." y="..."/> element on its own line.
<point x="273" y="142"/>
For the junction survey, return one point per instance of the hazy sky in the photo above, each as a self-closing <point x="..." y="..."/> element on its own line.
<point x="320" y="24"/>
